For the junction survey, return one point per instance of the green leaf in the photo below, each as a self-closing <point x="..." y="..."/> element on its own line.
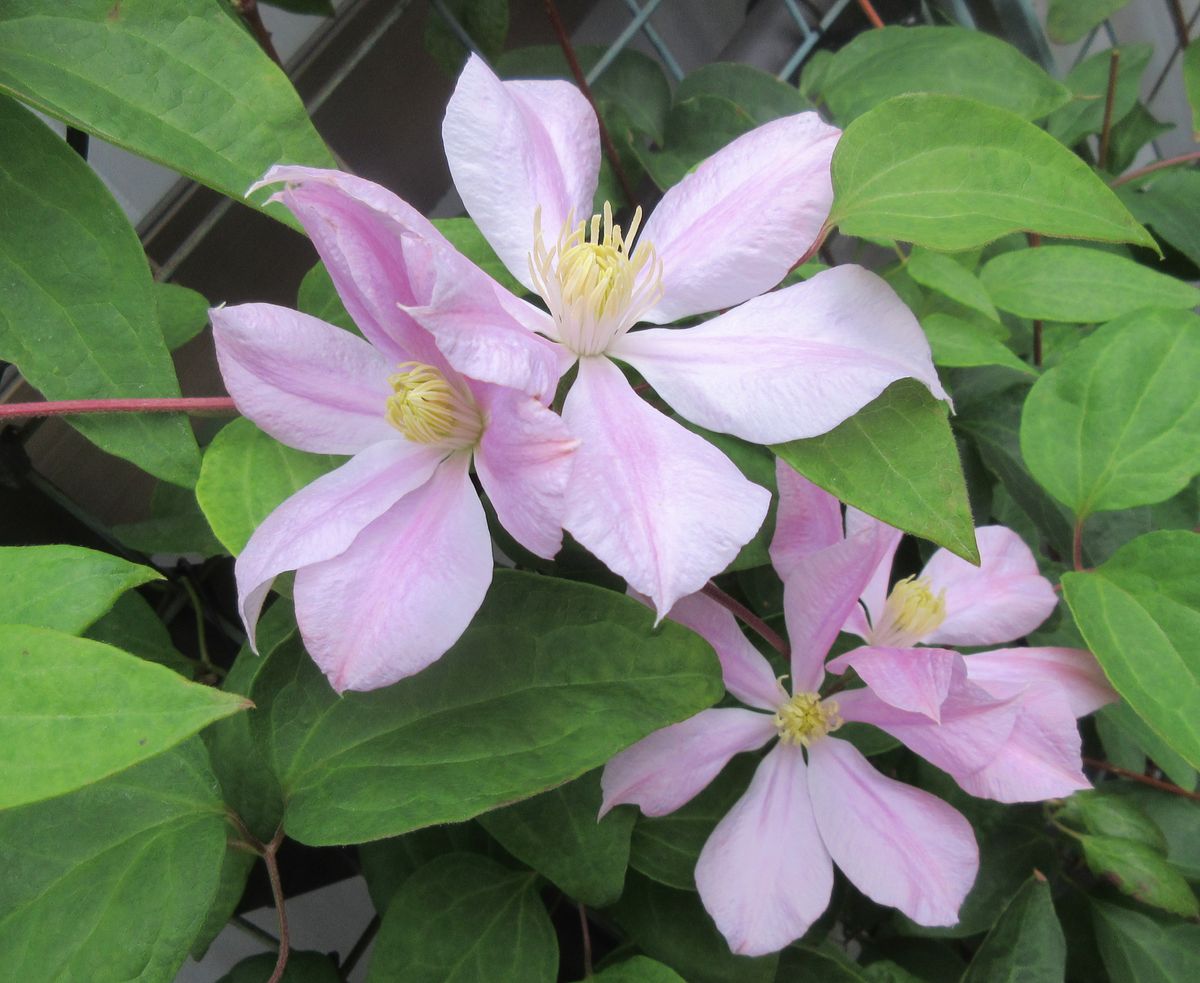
<point x="246" y="474"/>
<point x="182" y="313"/>
<point x="63" y="587"/>
<point x="1141" y="872"/>
<point x="939" y="272"/>
<point x="825" y="963"/>
<point x="1089" y="81"/>
<point x="880" y="64"/>
<point x="1067" y="21"/>
<point x="231" y="885"/>
<point x="74" y="711"/>
<point x="956" y="341"/>
<point x="557" y="834"/>
<point x="175" y="525"/>
<point x="1025" y="944"/>
<point x="1170" y="204"/>
<point x="593" y="677"/>
<point x="696" y="128"/>
<point x="1108" y="816"/>
<point x="1129" y="135"/>
<point x="1140" y="615"/>
<point x="111" y="883"/>
<point x="302" y="967"/>
<point x="639" y="969"/>
<point x="951" y="174"/>
<point x="1138" y="947"/>
<point x="204" y="98"/>
<point x="465" y="918"/>
<point x="1117" y="422"/>
<point x="386" y="864"/>
<point x="1117" y="722"/>
<point x="895" y="459"/>
<point x="1191" y="83"/>
<point x="760" y="95"/>
<point x="318" y="297"/>
<point x="485" y="21"/>
<point x="133" y="627"/>
<point x="465" y="236"/>
<point x="77" y="313"/>
<point x="1079" y="285"/>
<point x="1175" y="816"/>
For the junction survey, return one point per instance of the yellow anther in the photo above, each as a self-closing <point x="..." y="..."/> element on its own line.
<point x="805" y="718"/>
<point x="427" y="409"/>
<point x="911" y="613"/>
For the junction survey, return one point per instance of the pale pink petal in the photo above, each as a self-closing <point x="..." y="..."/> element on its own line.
<point x="404" y="591"/>
<point x="974" y="726"/>
<point x="998" y="601"/>
<point x="305" y="382"/>
<point x="321" y="520"/>
<point x="524" y="462"/>
<point x="735" y="226"/>
<point x="918" y="679"/>
<point x="808" y="519"/>
<point x="745" y="670"/>
<point x="764" y="875"/>
<point x="514" y="147"/>
<point x="1074" y="673"/>
<point x="670" y="767"/>
<point x="659" y="505"/>
<point x="874" y="595"/>
<point x="789" y="364"/>
<point x="900" y="846"/>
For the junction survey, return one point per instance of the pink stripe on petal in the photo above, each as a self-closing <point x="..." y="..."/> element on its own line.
<point x="918" y="679"/>
<point x="404" y="591"/>
<point x="998" y="601"/>
<point x="899" y="845"/>
<point x="515" y="146"/>
<point x="660" y="506"/>
<point x="735" y="226"/>
<point x="305" y="382"/>
<point x="1074" y="673"/>
<point x="764" y="874"/>
<point x="670" y="767"/>
<point x="809" y="519"/>
<point x="789" y="364"/>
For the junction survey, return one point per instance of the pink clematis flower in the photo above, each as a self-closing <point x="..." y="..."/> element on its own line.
<point x="392" y="550"/>
<point x="766" y="872"/>
<point x="658" y="504"/>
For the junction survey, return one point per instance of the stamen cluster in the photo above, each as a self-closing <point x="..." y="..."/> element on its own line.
<point x="911" y="613"/>
<point x="805" y="718"/>
<point x="428" y="409"/>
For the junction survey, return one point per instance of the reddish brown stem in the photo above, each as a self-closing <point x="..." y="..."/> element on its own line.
<point x="1180" y="21"/>
<point x="568" y="49"/>
<point x="587" y="942"/>
<point x="75" y="407"/>
<point x="1077" y="545"/>
<point x="1158" y="165"/>
<point x="1035" y="240"/>
<point x="1114" y="62"/>
<point x="747" y="617"/>
<point x="249" y="11"/>
<point x="869" y="10"/>
<point x="1134" y="776"/>
<point x="268" y="855"/>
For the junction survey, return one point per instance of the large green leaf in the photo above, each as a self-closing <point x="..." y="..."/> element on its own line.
<point x="1169" y="204"/>
<point x="465" y="919"/>
<point x="485" y="22"/>
<point x="1140" y="871"/>
<point x="895" y="459"/>
<point x="639" y="969"/>
<point x="557" y="834"/>
<point x="1079" y="285"/>
<point x="1069" y="20"/>
<point x="1117" y="422"/>
<point x="1140" y="614"/>
<point x="77" y="310"/>
<point x="1191" y="82"/>
<point x="63" y="587"/>
<point x="1025" y="944"/>
<point x="177" y="81"/>
<point x="1089" y="81"/>
<point x="551" y="679"/>
<point x="73" y="711"/>
<point x="1142" y="949"/>
<point x="246" y="474"/>
<point x="386" y="864"/>
<point x="111" y="883"/>
<point x="762" y="96"/>
<point x="133" y="627"/>
<point x="951" y="173"/>
<point x="695" y="129"/>
<point x="880" y="64"/>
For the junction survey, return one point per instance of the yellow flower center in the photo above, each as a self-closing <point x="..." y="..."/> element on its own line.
<point x="805" y="718"/>
<point x="911" y="613"/>
<point x="594" y="283"/>
<point x="428" y="409"/>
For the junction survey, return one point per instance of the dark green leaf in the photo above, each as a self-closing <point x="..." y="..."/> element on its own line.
<point x="1191" y="83"/>
<point x="821" y="964"/>
<point x="639" y="969"/>
<point x="1107" y="815"/>
<point x="1089" y="81"/>
<point x="485" y="21"/>
<point x="386" y="864"/>
<point x="231" y="885"/>
<point x="1142" y="949"/>
<point x="133" y="626"/>
<point x="175" y="525"/>
<point x="1142" y="872"/>
<point x="318" y="297"/>
<point x="182" y="313"/>
<point x="1026" y="944"/>
<point x="1176" y="816"/>
<point x="1130" y="135"/>
<point x="302" y="967"/>
<point x="1069" y="20"/>
<point x="695" y="129"/>
<point x="1169" y="204"/>
<point x="1119" y="723"/>
<point x="760" y="95"/>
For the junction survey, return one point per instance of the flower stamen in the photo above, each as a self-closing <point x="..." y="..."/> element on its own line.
<point x="428" y="409"/>
<point x="911" y="613"/>
<point x="806" y="718"/>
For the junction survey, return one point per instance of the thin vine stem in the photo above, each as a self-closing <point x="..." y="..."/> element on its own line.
<point x="78" y="407"/>
<point x="248" y="9"/>
<point x="1143" y="779"/>
<point x="587" y="942"/>
<point x="1158" y="165"/>
<point x="269" y="858"/>
<point x="1077" y="545"/>
<point x="747" y="617"/>
<point x="869" y="11"/>
<point x="1110" y="98"/>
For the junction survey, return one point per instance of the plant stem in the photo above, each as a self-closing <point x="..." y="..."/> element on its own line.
<point x="76" y="407"/>
<point x="268" y="855"/>
<point x="1158" y="165"/>
<point x="747" y="617"/>
<point x="587" y="942"/>
<point x="869" y="10"/>
<point x="249" y="11"/>
<point x="1035" y="240"/>
<point x="1077" y="544"/>
<point x="1144" y="779"/>
<point x="201" y="638"/>
<point x="1180" y="22"/>
<point x="610" y="149"/>
<point x="1110" y="98"/>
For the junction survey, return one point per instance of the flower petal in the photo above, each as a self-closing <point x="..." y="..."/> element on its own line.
<point x="322" y="519"/>
<point x="764" y="874"/>
<point x="998" y="601"/>
<point x="808" y="519"/>
<point x="735" y="226"/>
<point x="404" y="591"/>
<point x="305" y="382"/>
<point x="660" y="506"/>
<point x="918" y="679"/>
<point x="514" y="147"/>
<point x="1074" y="673"/>
<point x="899" y="845"/>
<point x="746" y="672"/>
<point x="789" y="364"/>
<point x="524" y="462"/>
<point x="874" y="595"/>
<point x="670" y="767"/>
